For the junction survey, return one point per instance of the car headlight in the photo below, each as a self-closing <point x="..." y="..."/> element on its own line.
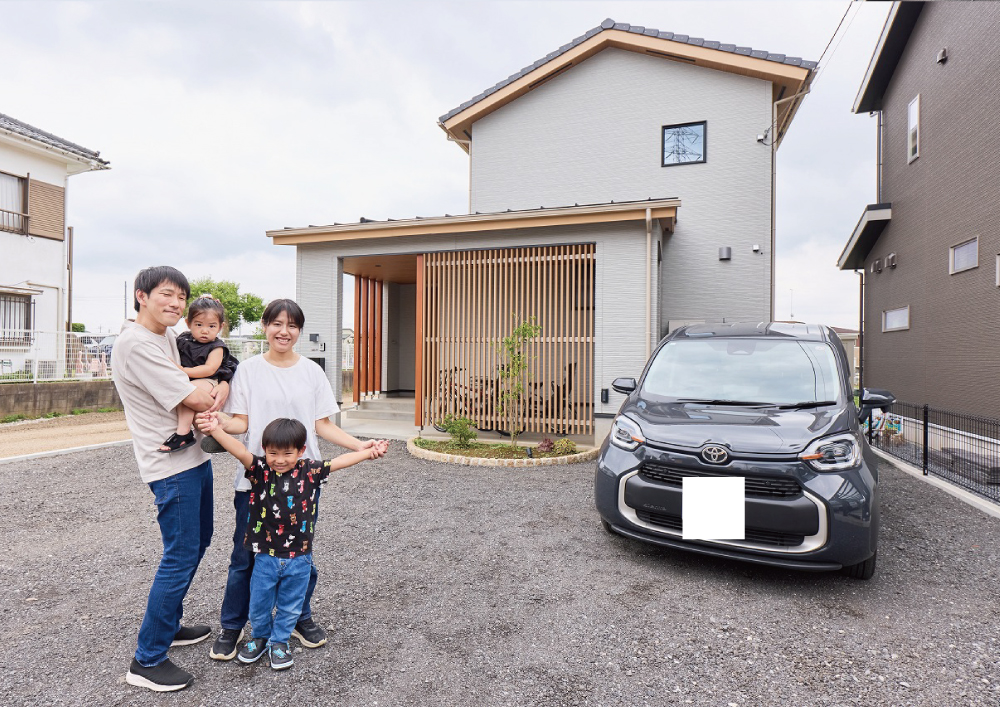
<point x="626" y="433"/>
<point x="841" y="451"/>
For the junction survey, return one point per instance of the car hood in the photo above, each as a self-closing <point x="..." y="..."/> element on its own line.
<point x="741" y="429"/>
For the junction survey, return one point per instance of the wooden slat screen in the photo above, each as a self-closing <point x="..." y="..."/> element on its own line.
<point x="46" y="210"/>
<point x="367" y="337"/>
<point x="470" y="300"/>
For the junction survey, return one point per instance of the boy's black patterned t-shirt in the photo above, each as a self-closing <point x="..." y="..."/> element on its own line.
<point x="283" y="507"/>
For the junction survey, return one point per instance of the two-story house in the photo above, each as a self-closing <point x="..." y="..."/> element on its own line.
<point x="620" y="186"/>
<point x="35" y="167"/>
<point x="929" y="247"/>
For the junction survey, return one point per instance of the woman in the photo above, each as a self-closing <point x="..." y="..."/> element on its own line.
<point x="278" y="383"/>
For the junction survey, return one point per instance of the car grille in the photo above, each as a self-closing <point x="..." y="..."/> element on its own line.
<point x="754" y="535"/>
<point x="767" y="486"/>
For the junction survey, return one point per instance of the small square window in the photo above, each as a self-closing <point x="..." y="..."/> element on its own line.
<point x="963" y="256"/>
<point x="683" y="144"/>
<point x="896" y="319"/>
<point x="913" y="130"/>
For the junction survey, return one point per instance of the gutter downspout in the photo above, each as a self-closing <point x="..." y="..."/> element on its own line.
<point x="861" y="331"/>
<point x="649" y="279"/>
<point x="774" y="207"/>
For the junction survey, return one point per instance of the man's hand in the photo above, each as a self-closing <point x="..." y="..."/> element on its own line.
<point x="220" y="393"/>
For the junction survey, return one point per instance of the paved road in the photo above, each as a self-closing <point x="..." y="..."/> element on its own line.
<point x="448" y="585"/>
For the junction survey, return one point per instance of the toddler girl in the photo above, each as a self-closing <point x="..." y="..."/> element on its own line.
<point x="204" y="358"/>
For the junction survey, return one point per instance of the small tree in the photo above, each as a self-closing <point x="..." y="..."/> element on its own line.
<point x="513" y="371"/>
<point x="77" y="328"/>
<point x="239" y="308"/>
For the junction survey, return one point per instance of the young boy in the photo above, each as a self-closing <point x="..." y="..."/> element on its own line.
<point x="284" y="489"/>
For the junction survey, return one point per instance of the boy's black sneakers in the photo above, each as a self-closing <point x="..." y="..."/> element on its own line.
<point x="252" y="650"/>
<point x="226" y="644"/>
<point x="281" y="657"/>
<point x="165" y="677"/>
<point x="309" y="634"/>
<point x="189" y="635"/>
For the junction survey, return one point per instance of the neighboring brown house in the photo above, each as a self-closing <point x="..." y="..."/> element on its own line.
<point x="929" y="249"/>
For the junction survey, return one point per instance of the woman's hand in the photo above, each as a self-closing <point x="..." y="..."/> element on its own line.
<point x="207" y="421"/>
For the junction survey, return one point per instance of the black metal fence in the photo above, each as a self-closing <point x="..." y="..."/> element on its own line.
<point x="963" y="449"/>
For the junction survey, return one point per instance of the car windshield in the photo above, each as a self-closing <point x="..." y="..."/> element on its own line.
<point x="766" y="372"/>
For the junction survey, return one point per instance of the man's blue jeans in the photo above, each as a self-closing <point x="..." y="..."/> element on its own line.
<point x="236" y="600"/>
<point x="184" y="513"/>
<point x="278" y="583"/>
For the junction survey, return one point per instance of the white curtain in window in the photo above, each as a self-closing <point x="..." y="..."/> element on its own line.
<point x="11" y="196"/>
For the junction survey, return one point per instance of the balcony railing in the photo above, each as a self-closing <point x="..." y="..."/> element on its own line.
<point x="13" y="221"/>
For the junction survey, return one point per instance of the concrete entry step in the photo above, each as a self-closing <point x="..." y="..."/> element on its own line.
<point x="388" y="405"/>
<point x="379" y="414"/>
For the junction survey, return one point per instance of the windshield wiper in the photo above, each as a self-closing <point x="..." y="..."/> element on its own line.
<point x="806" y="404"/>
<point x="742" y="403"/>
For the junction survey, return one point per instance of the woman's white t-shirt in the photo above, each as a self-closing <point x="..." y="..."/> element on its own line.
<point x="264" y="392"/>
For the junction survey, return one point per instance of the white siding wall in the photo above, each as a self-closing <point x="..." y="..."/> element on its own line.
<point x="594" y="134"/>
<point x="620" y="294"/>
<point x="38" y="261"/>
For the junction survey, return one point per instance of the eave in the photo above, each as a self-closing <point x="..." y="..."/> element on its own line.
<point x="896" y="32"/>
<point x="873" y="221"/>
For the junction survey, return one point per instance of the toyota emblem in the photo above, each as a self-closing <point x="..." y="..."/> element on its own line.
<point x="715" y="455"/>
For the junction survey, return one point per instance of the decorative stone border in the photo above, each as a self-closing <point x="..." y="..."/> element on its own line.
<point x="421" y="453"/>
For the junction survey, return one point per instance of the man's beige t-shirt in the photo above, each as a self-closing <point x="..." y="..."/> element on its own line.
<point x="151" y="386"/>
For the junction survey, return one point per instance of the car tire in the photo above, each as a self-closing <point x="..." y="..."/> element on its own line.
<point x="607" y="527"/>
<point x="862" y="570"/>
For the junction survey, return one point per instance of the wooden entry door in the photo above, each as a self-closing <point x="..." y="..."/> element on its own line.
<point x="469" y="300"/>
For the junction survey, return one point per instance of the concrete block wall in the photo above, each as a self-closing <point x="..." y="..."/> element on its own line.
<point x="36" y="399"/>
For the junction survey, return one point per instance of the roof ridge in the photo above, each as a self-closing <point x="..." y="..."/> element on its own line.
<point x="634" y="29"/>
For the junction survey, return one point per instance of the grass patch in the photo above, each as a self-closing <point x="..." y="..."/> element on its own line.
<point x="50" y="415"/>
<point x="12" y="418"/>
<point x="112" y="409"/>
<point x="482" y="449"/>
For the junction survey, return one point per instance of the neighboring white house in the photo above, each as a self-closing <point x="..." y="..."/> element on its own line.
<point x="620" y="186"/>
<point x="35" y="167"/>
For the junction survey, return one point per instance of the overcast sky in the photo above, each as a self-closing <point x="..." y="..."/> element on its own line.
<point x="222" y="120"/>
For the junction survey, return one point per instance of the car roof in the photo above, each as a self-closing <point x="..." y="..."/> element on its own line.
<point x="783" y="330"/>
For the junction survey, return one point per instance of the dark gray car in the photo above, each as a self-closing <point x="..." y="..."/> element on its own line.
<point x="771" y="403"/>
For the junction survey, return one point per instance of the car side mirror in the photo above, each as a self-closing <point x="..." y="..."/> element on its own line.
<point x="624" y="385"/>
<point x="875" y="399"/>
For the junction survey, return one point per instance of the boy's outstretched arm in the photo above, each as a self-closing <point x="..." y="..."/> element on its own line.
<point x="229" y="443"/>
<point x="352" y="458"/>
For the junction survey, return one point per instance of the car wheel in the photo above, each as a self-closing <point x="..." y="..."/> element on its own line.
<point x="862" y="570"/>
<point x="607" y="527"/>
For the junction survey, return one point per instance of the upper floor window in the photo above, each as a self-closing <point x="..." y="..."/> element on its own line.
<point x="913" y="130"/>
<point x="896" y="319"/>
<point x="12" y="216"/>
<point x="684" y="143"/>
<point x="963" y="256"/>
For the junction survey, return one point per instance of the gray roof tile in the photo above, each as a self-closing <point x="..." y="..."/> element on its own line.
<point x="635" y="29"/>
<point x="29" y="131"/>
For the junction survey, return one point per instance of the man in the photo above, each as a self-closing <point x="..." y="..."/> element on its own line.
<point x="145" y="369"/>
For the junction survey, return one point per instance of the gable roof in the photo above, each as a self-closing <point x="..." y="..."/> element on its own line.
<point x="89" y="159"/>
<point x="899" y="23"/>
<point x="789" y="75"/>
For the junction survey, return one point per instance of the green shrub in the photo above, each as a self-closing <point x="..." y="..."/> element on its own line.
<point x="564" y="446"/>
<point x="460" y="429"/>
<point x="13" y="418"/>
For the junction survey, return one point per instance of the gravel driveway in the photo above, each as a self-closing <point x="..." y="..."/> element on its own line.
<point x="451" y="585"/>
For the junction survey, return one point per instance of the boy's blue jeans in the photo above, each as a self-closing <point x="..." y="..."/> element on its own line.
<point x="278" y="583"/>
<point x="236" y="600"/>
<point x="184" y="513"/>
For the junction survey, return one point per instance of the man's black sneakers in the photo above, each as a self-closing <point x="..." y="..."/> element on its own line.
<point x="189" y="635"/>
<point x="226" y="644"/>
<point x="211" y="445"/>
<point x="309" y="634"/>
<point x="165" y="677"/>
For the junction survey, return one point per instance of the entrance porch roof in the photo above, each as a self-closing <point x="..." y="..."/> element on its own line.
<point x="665" y="210"/>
